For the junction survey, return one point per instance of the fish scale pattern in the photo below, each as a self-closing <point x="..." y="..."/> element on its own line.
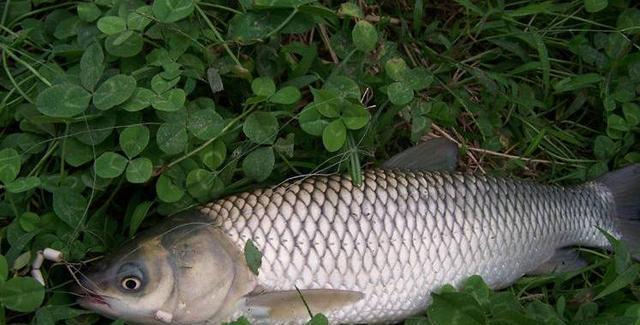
<point x="404" y="234"/>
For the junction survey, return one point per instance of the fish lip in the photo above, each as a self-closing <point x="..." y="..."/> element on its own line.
<point x="89" y="297"/>
<point x="93" y="299"/>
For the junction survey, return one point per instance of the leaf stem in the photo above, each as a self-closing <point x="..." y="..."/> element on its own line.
<point x="213" y="5"/>
<point x="354" y="161"/>
<point x="26" y="65"/>
<point x="217" y="35"/>
<point x="208" y="142"/>
<point x="284" y="23"/>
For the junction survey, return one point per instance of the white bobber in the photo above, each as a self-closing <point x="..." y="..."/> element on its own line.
<point x="163" y="316"/>
<point x="37" y="274"/>
<point x="52" y="255"/>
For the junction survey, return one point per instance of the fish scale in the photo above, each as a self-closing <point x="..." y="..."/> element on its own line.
<point x="402" y="234"/>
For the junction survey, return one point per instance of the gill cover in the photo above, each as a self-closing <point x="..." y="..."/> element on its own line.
<point x="210" y="276"/>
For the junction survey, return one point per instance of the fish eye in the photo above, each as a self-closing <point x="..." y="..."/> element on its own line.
<point x="131" y="283"/>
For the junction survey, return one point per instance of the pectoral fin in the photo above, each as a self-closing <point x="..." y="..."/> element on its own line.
<point x="435" y="154"/>
<point x="289" y="305"/>
<point x="564" y="260"/>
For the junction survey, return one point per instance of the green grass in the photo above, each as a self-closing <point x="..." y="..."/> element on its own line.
<point x="115" y="114"/>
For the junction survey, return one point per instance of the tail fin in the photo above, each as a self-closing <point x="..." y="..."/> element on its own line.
<point x="624" y="184"/>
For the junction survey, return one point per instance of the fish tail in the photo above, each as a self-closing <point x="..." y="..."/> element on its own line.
<point x="624" y="185"/>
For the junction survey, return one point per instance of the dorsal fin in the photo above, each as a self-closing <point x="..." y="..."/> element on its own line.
<point x="434" y="154"/>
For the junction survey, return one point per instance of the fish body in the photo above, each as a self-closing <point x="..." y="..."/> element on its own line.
<point x="404" y="234"/>
<point x="358" y="254"/>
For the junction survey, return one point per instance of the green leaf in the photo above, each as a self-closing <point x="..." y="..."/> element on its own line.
<point x="419" y="126"/>
<point x="622" y="256"/>
<point x="23" y="184"/>
<point x="286" y="96"/>
<point x="140" y="99"/>
<point x="110" y="165"/>
<point x="205" y="124"/>
<point x="114" y="91"/>
<point x="139" y="170"/>
<point x="170" y="101"/>
<point x="350" y="9"/>
<point x="22" y="294"/>
<point x="455" y="308"/>
<point x="285" y="145"/>
<point x="577" y="82"/>
<point x="396" y="69"/>
<point x="444" y="113"/>
<point x="631" y="113"/>
<point x="595" y="5"/>
<point x="29" y="221"/>
<point x="364" y="36"/>
<point x="63" y="100"/>
<point x="50" y="314"/>
<point x="124" y="48"/>
<point x="77" y="153"/>
<point x="240" y="321"/>
<point x="344" y="86"/>
<point x="399" y="93"/>
<point x="91" y="66"/>
<point x="253" y="25"/>
<point x="159" y="84"/>
<point x="281" y="3"/>
<point x="167" y="191"/>
<point x="604" y="148"/>
<point x="311" y="121"/>
<point x="355" y="116"/>
<point x="334" y="136"/>
<point x="20" y="262"/>
<point x="170" y="11"/>
<point x="122" y="37"/>
<point x="318" y="319"/>
<point x="252" y="256"/>
<point x="134" y="139"/>
<point x="112" y="25"/>
<point x="138" y="20"/>
<point x="259" y="163"/>
<point x="9" y="165"/>
<point x="418" y="79"/>
<point x="200" y="182"/>
<point x="263" y="86"/>
<point x="629" y="20"/>
<point x="214" y="154"/>
<point x="138" y="215"/>
<point x="172" y="138"/>
<point x="67" y="28"/>
<point x="622" y="280"/>
<point x="88" y="11"/>
<point x="618" y="123"/>
<point x="478" y="289"/>
<point x="69" y="206"/>
<point x="327" y="102"/>
<point x="4" y="269"/>
<point x="261" y="127"/>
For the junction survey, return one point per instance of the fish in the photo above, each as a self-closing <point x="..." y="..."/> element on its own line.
<point x="359" y="254"/>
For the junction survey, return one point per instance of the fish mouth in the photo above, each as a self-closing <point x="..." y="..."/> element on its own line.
<point x="93" y="299"/>
<point x="89" y="298"/>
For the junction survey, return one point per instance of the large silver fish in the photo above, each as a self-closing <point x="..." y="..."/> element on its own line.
<point x="369" y="254"/>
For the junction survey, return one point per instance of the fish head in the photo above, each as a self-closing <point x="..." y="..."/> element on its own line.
<point x="131" y="284"/>
<point x="188" y="269"/>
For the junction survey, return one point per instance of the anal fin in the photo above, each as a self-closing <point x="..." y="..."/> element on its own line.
<point x="288" y="305"/>
<point x="564" y="260"/>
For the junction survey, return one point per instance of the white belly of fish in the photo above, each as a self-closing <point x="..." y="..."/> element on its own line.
<point x="402" y="235"/>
